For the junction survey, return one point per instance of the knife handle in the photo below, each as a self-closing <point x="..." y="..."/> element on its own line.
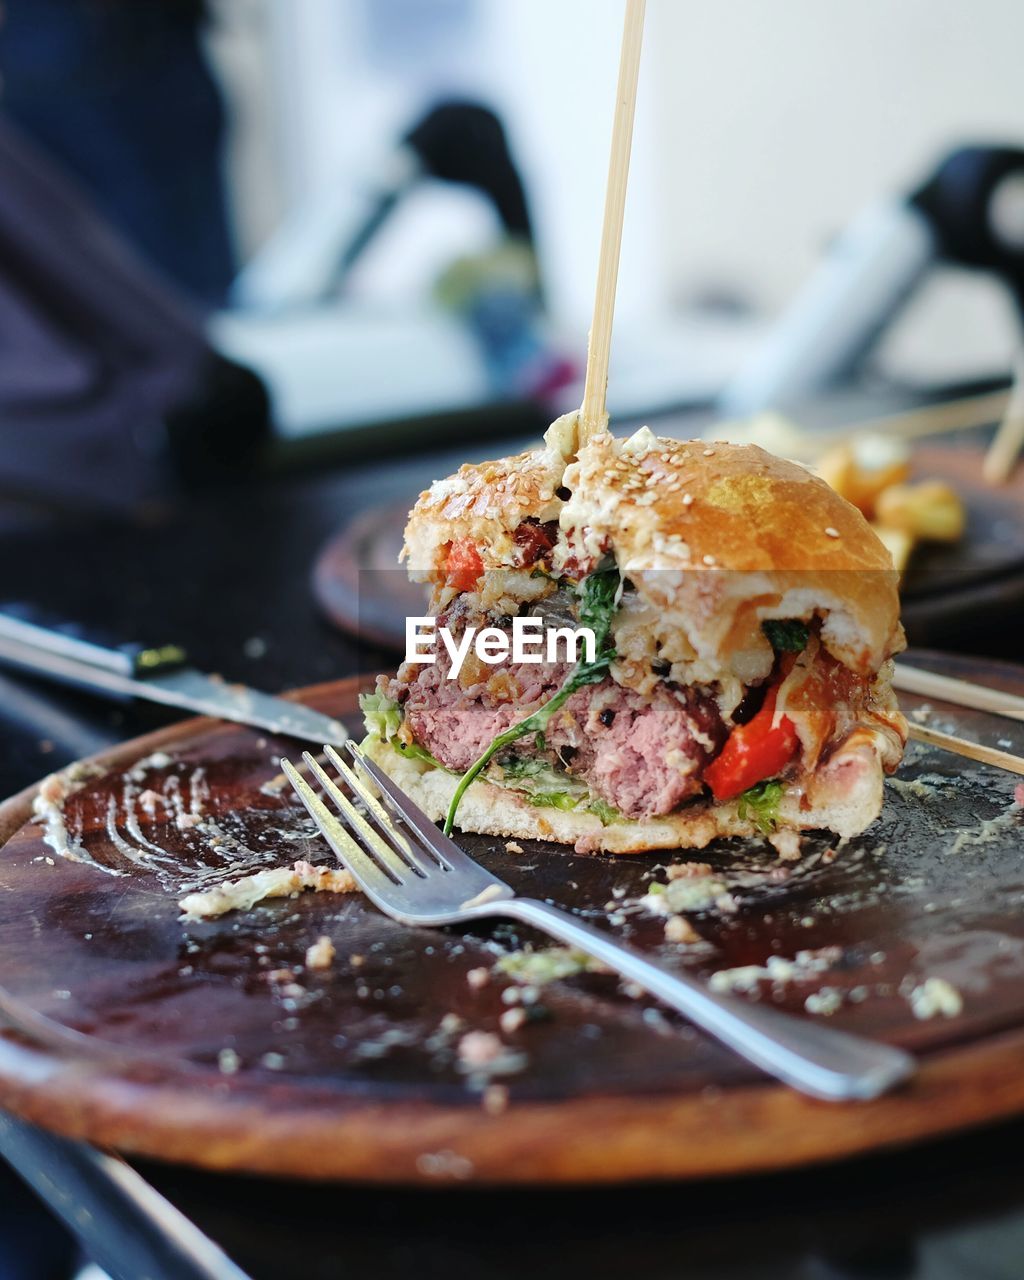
<point x="31" y="629"/>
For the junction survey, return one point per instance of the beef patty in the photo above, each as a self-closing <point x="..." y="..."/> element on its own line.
<point x="644" y="756"/>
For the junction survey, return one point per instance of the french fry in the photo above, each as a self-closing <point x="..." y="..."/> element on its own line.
<point x="930" y="511"/>
<point x="860" y="471"/>
<point x="898" y="543"/>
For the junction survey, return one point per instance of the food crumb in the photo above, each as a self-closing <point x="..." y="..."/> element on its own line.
<point x="228" y="1062"/>
<point x="826" y="1001"/>
<point x="512" y="1019"/>
<point x="478" y="978"/>
<point x="321" y="954"/>
<point x="679" y="929"/>
<point x="550" y="964"/>
<point x="687" y="870"/>
<point x="489" y="894"/>
<point x="512" y="847"/>
<point x="480" y="1048"/>
<point x="935" y="997"/>
<point x="495" y="1099"/>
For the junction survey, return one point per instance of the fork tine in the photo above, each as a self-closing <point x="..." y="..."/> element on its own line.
<point x="383" y="819"/>
<point x="389" y="841"/>
<point x="364" y="869"/>
<point x="446" y="850"/>
<point x="389" y="858"/>
<point x="417" y="853"/>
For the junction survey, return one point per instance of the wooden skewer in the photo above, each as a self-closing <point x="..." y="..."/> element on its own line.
<point x="929" y="684"/>
<point x="594" y="415"/>
<point x="930" y="420"/>
<point x="1005" y="449"/>
<point x="935" y="419"/>
<point x="972" y="750"/>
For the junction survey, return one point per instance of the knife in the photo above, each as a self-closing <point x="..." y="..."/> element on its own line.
<point x="66" y="652"/>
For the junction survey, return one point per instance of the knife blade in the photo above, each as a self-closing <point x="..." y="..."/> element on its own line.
<point x="68" y="654"/>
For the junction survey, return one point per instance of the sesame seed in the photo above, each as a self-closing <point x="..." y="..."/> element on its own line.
<point x="831" y="533"/>
<point x="710" y="560"/>
<point x="709" y="453"/>
<point x="687" y="499"/>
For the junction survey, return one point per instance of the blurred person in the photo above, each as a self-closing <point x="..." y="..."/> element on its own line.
<point x="119" y="93"/>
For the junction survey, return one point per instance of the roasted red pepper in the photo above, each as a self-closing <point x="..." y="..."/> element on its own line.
<point x="753" y="752"/>
<point x="464" y="567"/>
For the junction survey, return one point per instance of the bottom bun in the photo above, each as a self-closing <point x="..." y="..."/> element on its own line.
<point x="844" y="796"/>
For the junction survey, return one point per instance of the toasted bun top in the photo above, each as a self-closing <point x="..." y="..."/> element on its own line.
<point x="666" y="503"/>
<point x="487" y="501"/>
<point x="716" y="538"/>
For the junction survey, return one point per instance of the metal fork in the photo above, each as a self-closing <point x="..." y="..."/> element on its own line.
<point x="416" y="875"/>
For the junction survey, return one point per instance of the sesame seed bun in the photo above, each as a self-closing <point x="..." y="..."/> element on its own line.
<point x="485" y="502"/>
<point x="716" y="538"/>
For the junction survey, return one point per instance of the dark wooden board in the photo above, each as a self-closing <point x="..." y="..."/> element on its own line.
<point x="951" y="593"/>
<point x="365" y="1088"/>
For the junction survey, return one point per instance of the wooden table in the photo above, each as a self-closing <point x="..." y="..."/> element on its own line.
<point x="227" y="575"/>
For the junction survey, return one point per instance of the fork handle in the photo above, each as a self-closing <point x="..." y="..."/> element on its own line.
<point x="821" y="1061"/>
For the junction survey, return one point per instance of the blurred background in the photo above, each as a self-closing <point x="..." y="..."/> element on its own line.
<point x="267" y="268"/>
<point x="245" y="223"/>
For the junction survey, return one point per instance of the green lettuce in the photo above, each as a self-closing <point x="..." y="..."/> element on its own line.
<point x="761" y="805"/>
<point x="563" y="800"/>
<point x="606" y="812"/>
<point x="382" y="717"/>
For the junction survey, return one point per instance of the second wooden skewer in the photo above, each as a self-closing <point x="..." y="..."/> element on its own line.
<point x="971" y="750"/>
<point x="1005" y="449"/>
<point x="962" y="693"/>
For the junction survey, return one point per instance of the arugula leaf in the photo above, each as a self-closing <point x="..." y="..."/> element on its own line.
<point x="786" y="635"/>
<point x="761" y="804"/>
<point x="517" y="767"/>
<point x="598" y="604"/>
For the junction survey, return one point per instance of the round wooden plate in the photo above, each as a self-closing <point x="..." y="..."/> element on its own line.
<point x="952" y="594"/>
<point x="352" y="1073"/>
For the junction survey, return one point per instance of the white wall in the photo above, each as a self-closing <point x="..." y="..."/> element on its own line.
<point x="779" y="119"/>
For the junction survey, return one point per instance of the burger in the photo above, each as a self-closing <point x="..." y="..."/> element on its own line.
<point x="743" y="617"/>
